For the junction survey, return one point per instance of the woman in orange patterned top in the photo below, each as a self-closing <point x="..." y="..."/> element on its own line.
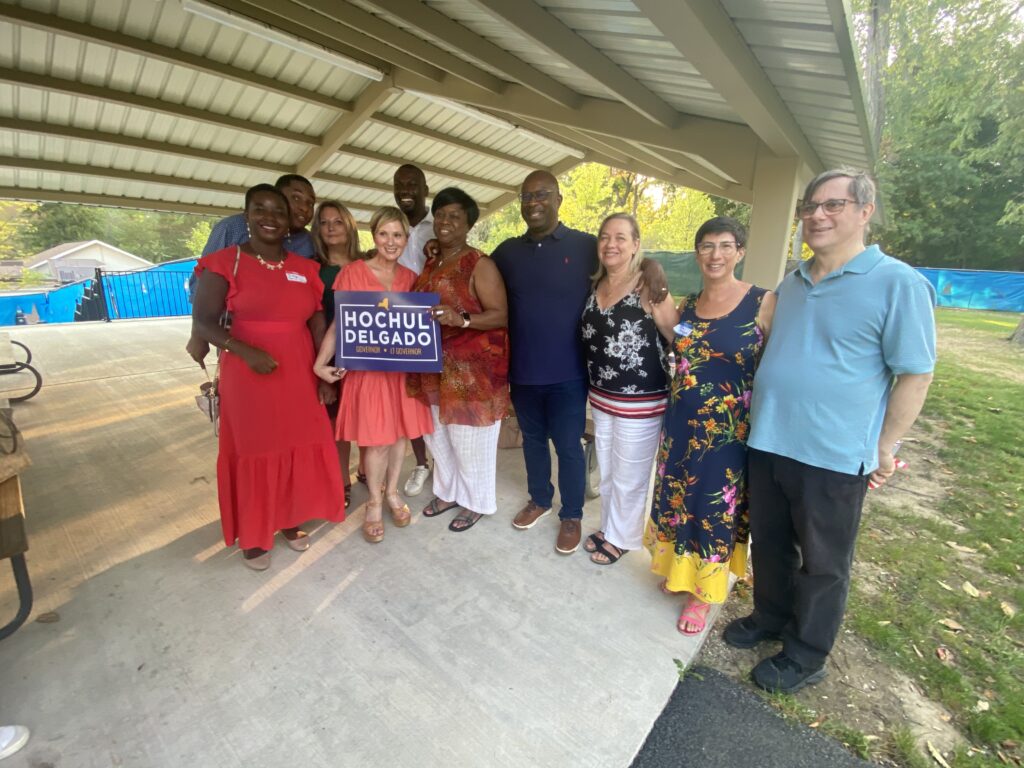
<point x="469" y="397"/>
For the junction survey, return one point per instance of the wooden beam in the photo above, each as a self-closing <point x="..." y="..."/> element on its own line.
<point x="111" y="201"/>
<point x="729" y="146"/>
<point x="704" y="33"/>
<point x="53" y="166"/>
<point x="391" y="160"/>
<point x="377" y="32"/>
<point x="179" y="150"/>
<point x="345" y="127"/>
<point x="146" y="145"/>
<point x="75" y="29"/>
<point x="429" y="133"/>
<point x="441" y="27"/>
<point x="545" y="29"/>
<point x="124" y="98"/>
<point x="325" y="33"/>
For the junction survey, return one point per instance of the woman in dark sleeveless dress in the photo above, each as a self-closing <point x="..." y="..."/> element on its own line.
<point x="698" y="531"/>
<point x="628" y="389"/>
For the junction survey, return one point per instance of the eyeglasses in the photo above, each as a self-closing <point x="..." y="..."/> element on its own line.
<point x="535" y="197"/>
<point x="830" y="207"/>
<point x="726" y="248"/>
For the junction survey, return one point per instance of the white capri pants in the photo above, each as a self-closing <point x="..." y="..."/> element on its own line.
<point x="625" y="454"/>
<point x="465" y="461"/>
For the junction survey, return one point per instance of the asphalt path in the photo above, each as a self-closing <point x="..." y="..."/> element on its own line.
<point x="711" y="719"/>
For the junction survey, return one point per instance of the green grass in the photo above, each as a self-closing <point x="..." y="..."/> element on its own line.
<point x="978" y="320"/>
<point x="976" y="418"/>
<point x="792" y="709"/>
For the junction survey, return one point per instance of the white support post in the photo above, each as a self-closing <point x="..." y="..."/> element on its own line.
<point x="776" y="185"/>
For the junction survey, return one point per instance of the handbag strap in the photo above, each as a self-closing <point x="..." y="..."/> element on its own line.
<point x="238" y="255"/>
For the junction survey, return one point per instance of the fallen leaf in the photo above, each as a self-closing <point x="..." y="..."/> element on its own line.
<point x="884" y="623"/>
<point x="1008" y="608"/>
<point x="936" y="755"/>
<point x="917" y="651"/>
<point x="956" y="626"/>
<point x="945" y="655"/>
<point x="945" y="586"/>
<point x="969" y="439"/>
<point x="982" y="706"/>
<point x="961" y="548"/>
<point x="970" y="589"/>
<point x="50" y="617"/>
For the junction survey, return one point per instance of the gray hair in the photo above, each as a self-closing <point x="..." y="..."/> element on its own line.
<point x="862" y="188"/>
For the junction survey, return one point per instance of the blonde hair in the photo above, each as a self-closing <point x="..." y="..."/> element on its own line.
<point x="386" y="215"/>
<point x="634" y="263"/>
<point x="349" y="222"/>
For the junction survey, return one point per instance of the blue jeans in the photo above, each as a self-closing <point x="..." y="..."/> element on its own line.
<point x="556" y="412"/>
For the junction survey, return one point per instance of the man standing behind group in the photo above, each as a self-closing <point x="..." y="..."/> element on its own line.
<point x="547" y="275"/>
<point x="410" y="186"/>
<point x="301" y="199"/>
<point x="843" y="377"/>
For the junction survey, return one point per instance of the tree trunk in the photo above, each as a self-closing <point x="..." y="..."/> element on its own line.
<point x="1017" y="337"/>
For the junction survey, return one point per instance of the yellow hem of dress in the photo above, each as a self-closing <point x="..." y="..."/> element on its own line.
<point x="690" y="573"/>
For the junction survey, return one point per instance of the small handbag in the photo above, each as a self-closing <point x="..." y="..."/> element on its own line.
<point x="208" y="399"/>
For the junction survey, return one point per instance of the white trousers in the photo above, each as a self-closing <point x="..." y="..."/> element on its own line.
<point x="465" y="461"/>
<point x="625" y="455"/>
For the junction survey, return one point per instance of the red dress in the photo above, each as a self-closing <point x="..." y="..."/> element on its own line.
<point x="375" y="409"/>
<point x="278" y="465"/>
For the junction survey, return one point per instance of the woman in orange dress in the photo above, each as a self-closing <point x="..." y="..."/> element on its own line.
<point x="469" y="398"/>
<point x="375" y="410"/>
<point x="277" y="466"/>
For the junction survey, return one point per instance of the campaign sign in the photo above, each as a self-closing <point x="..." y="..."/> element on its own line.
<point x="387" y="331"/>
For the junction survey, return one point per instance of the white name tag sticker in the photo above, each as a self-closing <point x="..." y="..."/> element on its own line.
<point x="684" y="329"/>
<point x="295" y="277"/>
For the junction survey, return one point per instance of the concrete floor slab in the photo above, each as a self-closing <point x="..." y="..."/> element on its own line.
<point x="430" y="649"/>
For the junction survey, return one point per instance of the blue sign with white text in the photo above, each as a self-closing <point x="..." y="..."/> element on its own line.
<point x="387" y="331"/>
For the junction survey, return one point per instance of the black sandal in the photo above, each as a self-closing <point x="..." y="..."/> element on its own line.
<point x="464" y="517"/>
<point x="593" y="541"/>
<point x="603" y="549"/>
<point x="433" y="510"/>
<point x="348" y="495"/>
<point x="360" y="478"/>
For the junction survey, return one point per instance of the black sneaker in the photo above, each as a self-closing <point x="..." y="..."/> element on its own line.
<point x="744" y="633"/>
<point x="780" y="674"/>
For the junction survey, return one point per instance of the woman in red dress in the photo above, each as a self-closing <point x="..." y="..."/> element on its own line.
<point x="376" y="412"/>
<point x="277" y="466"/>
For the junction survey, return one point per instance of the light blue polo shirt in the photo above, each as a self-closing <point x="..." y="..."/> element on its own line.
<point x="822" y="387"/>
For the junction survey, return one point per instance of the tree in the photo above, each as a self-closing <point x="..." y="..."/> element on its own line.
<point x="952" y="148"/>
<point x="56" y="223"/>
<point x="672" y="225"/>
<point x="13" y="220"/>
<point x="198" y="236"/>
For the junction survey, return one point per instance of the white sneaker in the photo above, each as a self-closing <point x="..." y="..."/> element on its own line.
<point x="12" y="739"/>
<point x="417" y="478"/>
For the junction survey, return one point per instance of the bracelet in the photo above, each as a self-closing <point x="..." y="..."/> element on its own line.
<point x="466" y="320"/>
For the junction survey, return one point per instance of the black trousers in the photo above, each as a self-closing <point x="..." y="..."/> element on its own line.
<point x="803" y="525"/>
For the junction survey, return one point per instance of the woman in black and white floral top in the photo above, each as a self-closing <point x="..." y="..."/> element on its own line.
<point x="628" y="386"/>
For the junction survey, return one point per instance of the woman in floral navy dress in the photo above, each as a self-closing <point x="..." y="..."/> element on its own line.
<point x="698" y="531"/>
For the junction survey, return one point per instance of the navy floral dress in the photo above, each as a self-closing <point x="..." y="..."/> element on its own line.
<point x="699" y="526"/>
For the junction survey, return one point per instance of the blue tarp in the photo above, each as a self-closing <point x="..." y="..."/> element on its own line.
<point x="977" y="289"/>
<point x="157" y="292"/>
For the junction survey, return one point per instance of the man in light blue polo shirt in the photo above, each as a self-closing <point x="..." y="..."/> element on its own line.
<point x="844" y="375"/>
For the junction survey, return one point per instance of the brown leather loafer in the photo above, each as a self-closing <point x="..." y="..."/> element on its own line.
<point x="569" y="533"/>
<point x="529" y="515"/>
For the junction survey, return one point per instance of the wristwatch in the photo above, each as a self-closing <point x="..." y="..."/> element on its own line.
<point x="465" y="320"/>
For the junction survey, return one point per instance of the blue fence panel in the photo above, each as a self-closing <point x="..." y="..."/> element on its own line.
<point x="977" y="289"/>
<point x="149" y="293"/>
<point x="56" y="306"/>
